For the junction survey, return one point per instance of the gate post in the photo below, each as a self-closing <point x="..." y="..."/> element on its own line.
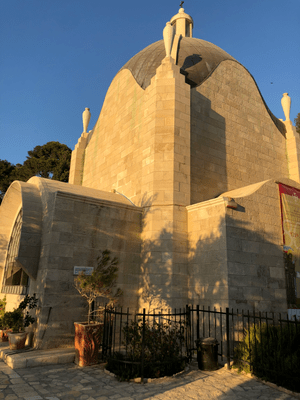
<point x="228" y="338"/>
<point x="143" y="344"/>
<point x="188" y="340"/>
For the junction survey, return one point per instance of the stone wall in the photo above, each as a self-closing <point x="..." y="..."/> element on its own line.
<point x="80" y="228"/>
<point x="140" y="146"/>
<point x="234" y="141"/>
<point x="256" y="275"/>
<point x="208" y="271"/>
<point x="116" y="152"/>
<point x="166" y="183"/>
<point x="73" y="225"/>
<point x="236" y="255"/>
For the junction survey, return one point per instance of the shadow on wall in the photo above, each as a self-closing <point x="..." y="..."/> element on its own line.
<point x="146" y="203"/>
<point x="208" y="150"/>
<point x="157" y="275"/>
<point x="230" y="265"/>
<point x="236" y="266"/>
<point x="79" y="232"/>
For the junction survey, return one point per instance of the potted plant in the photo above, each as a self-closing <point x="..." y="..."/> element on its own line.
<point x="17" y="320"/>
<point x="101" y="283"/>
<point x="3" y="330"/>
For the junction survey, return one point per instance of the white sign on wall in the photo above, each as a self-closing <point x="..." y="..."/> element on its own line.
<point x="86" y="270"/>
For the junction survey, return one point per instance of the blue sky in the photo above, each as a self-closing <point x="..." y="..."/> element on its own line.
<point x="60" y="56"/>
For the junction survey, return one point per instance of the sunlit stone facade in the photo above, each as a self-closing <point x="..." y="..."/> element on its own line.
<point x="178" y="178"/>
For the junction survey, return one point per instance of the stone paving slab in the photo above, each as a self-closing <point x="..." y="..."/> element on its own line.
<point x="68" y="382"/>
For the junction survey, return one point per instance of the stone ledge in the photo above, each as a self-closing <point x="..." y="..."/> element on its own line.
<point x="34" y="358"/>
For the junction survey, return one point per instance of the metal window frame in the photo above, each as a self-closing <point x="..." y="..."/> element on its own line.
<point x="12" y="253"/>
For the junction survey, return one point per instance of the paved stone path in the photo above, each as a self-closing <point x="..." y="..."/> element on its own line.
<point x="68" y="382"/>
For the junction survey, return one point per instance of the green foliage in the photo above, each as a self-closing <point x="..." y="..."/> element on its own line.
<point x="271" y="353"/>
<point x="162" y="350"/>
<point x="297" y="123"/>
<point x="52" y="160"/>
<point x="101" y="283"/>
<point x="13" y="320"/>
<point x="2" y="309"/>
<point x="20" y="318"/>
<point x="2" y="306"/>
<point x="6" y="178"/>
<point x="161" y="341"/>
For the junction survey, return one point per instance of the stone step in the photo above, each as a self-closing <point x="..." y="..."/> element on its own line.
<point x="33" y="358"/>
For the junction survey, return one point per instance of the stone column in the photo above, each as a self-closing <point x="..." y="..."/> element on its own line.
<point x="293" y="151"/>
<point x="77" y="161"/>
<point x="292" y="140"/>
<point x="166" y="181"/>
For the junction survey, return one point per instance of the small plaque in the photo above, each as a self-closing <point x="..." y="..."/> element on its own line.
<point x="298" y="274"/>
<point x="86" y="270"/>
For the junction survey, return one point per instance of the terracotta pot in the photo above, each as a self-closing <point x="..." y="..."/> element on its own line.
<point x="88" y="340"/>
<point x="3" y="335"/>
<point x="17" y="340"/>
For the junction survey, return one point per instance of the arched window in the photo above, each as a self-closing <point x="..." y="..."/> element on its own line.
<point x="15" y="279"/>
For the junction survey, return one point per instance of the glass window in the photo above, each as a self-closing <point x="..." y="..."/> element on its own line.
<point x="14" y="275"/>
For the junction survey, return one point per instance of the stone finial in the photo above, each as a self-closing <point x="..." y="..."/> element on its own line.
<point x="183" y="23"/>
<point x="168" y="35"/>
<point x="86" y="116"/>
<point x="286" y="105"/>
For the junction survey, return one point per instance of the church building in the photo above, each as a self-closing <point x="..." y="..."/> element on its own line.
<point x="187" y="178"/>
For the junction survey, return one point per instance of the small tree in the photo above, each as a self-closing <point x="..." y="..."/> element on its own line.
<point x="52" y="161"/>
<point x="101" y="283"/>
<point x="6" y="176"/>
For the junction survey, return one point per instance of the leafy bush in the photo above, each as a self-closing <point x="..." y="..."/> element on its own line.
<point x="161" y="352"/>
<point x="2" y="310"/>
<point x="2" y="306"/>
<point x="20" y="318"/>
<point x="271" y="353"/>
<point x="161" y="341"/>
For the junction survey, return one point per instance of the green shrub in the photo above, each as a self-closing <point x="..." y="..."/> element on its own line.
<point x="162" y="351"/>
<point x="2" y="306"/>
<point x="271" y="353"/>
<point x="2" y="310"/>
<point x="19" y="318"/>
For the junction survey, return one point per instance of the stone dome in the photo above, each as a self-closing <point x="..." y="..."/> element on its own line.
<point x="197" y="58"/>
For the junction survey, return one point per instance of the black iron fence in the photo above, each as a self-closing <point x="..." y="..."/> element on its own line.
<point x="137" y="339"/>
<point x="230" y="327"/>
<point x="246" y="337"/>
